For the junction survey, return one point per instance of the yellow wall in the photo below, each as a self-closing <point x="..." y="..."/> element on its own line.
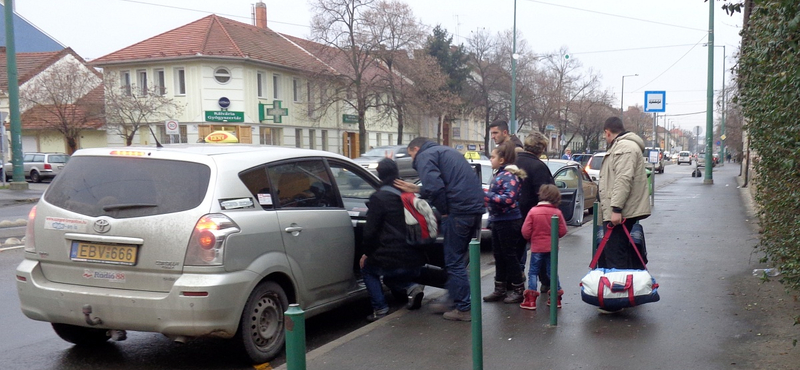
<point x="93" y="139"/>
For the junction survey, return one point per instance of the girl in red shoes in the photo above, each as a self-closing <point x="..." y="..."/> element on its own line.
<point x="536" y="229"/>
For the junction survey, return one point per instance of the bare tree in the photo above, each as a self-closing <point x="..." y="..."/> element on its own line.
<point x="589" y="115"/>
<point x="349" y="45"/>
<point x="398" y="33"/>
<point x="129" y="108"/>
<point x="67" y="97"/>
<point x="488" y="82"/>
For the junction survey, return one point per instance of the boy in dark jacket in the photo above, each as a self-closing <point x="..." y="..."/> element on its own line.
<point x="387" y="252"/>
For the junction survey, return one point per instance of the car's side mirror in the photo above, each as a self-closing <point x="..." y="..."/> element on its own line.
<point x="561" y="184"/>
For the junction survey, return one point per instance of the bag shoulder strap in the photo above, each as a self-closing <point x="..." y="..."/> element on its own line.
<point x="602" y="245"/>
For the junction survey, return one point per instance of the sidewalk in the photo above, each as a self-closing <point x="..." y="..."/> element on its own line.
<point x="701" y="250"/>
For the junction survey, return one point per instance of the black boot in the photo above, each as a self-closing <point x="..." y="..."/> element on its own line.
<point x="498" y="294"/>
<point x="515" y="294"/>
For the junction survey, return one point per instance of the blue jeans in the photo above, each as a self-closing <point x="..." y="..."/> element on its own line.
<point x="457" y="231"/>
<point x="395" y="279"/>
<point x="537" y="259"/>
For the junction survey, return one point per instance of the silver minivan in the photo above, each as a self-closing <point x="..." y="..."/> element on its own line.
<point x="194" y="240"/>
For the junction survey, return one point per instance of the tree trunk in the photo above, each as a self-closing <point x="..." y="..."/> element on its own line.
<point x="400" y="119"/>
<point x="439" y="129"/>
<point x="362" y="130"/>
<point x="72" y="145"/>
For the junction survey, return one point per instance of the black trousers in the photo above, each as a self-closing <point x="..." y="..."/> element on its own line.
<point x="619" y="253"/>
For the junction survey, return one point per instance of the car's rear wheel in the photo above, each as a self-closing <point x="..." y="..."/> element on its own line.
<point x="80" y="335"/>
<point x="261" y="329"/>
<point x="35" y="176"/>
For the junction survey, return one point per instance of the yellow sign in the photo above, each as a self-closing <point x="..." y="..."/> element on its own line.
<point x="221" y="137"/>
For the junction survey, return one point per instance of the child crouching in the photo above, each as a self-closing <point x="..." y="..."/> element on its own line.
<point x="536" y="229"/>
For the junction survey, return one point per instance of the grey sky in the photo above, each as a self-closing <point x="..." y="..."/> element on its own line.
<point x="662" y="41"/>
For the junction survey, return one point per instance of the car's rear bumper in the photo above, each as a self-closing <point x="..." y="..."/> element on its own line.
<point x="172" y="313"/>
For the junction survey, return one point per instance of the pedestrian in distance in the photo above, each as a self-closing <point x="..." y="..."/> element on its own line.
<point x="537" y="175"/>
<point x="567" y="154"/>
<point x="388" y="254"/>
<point x="450" y="184"/>
<point x="506" y="218"/>
<point x="537" y="229"/>
<point x="623" y="194"/>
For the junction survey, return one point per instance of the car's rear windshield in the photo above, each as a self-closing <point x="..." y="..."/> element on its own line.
<point x="58" y="158"/>
<point x="124" y="187"/>
<point x="596" y="162"/>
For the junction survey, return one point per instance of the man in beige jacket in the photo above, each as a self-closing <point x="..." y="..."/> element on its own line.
<point x="623" y="194"/>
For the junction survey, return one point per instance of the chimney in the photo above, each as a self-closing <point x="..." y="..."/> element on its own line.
<point x="261" y="15"/>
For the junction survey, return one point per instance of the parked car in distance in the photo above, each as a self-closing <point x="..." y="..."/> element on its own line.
<point x="654" y="159"/>
<point x="685" y="157"/>
<point x="582" y="158"/>
<point x="578" y="191"/>
<point x="38" y="166"/>
<point x="194" y="240"/>
<point x="483" y="169"/>
<point x="399" y="153"/>
<point x="593" y="167"/>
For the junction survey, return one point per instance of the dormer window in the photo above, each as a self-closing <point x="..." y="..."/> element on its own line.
<point x="222" y="75"/>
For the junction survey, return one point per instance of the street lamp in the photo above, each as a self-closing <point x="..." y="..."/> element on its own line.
<point x="514" y="56"/>
<point x="622" y="95"/>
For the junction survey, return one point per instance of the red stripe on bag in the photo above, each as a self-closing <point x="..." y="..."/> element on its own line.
<point x="629" y="287"/>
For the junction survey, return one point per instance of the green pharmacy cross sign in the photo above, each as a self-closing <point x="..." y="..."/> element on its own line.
<point x="272" y="111"/>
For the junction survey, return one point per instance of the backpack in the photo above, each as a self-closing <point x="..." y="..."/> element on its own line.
<point x="422" y="226"/>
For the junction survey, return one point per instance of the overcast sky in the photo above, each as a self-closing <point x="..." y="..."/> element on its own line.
<point x="661" y="41"/>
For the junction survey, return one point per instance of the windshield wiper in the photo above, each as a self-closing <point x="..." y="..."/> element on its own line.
<point x="115" y="207"/>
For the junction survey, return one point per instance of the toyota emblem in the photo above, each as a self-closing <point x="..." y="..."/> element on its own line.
<point x="102" y="226"/>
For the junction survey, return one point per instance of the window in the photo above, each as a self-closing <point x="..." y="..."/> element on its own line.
<point x="324" y="139"/>
<point x="378" y="139"/>
<point x="353" y="185"/>
<point x="276" y="86"/>
<point x="298" y="138"/>
<point x="222" y="75"/>
<point x="125" y="82"/>
<point x="180" y="81"/>
<point x="160" y="88"/>
<point x="303" y="184"/>
<point x="257" y="182"/>
<point x="141" y="79"/>
<point x="270" y="136"/>
<point x="312" y="139"/>
<point x="260" y="84"/>
<point x="310" y="99"/>
<point x="296" y="90"/>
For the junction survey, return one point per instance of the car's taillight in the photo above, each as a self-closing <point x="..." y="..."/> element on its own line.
<point x="207" y="243"/>
<point x="47" y="166"/>
<point x="30" y="245"/>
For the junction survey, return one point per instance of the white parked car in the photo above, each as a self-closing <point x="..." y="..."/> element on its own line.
<point x="193" y="241"/>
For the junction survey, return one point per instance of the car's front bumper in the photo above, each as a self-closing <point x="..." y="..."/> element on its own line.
<point x="172" y="313"/>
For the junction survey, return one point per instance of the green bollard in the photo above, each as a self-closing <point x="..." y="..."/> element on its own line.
<point x="295" y="322"/>
<point x="554" y="270"/>
<point x="475" y="293"/>
<point x="595" y="226"/>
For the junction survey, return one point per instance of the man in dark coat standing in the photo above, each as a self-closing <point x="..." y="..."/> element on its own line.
<point x="451" y="185"/>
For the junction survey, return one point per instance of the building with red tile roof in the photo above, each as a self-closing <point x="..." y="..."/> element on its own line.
<point x="244" y="79"/>
<point x="39" y="122"/>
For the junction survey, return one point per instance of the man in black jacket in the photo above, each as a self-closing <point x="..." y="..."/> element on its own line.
<point x="450" y="183"/>
<point x="387" y="252"/>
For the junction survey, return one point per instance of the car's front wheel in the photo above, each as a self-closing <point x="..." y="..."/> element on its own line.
<point x="261" y="329"/>
<point x="80" y="335"/>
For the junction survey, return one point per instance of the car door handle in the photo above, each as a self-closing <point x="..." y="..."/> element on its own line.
<point x="293" y="229"/>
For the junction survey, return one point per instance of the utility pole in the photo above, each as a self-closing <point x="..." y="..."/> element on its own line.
<point x="514" y="56"/>
<point x="708" y="179"/>
<point x="13" y="100"/>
